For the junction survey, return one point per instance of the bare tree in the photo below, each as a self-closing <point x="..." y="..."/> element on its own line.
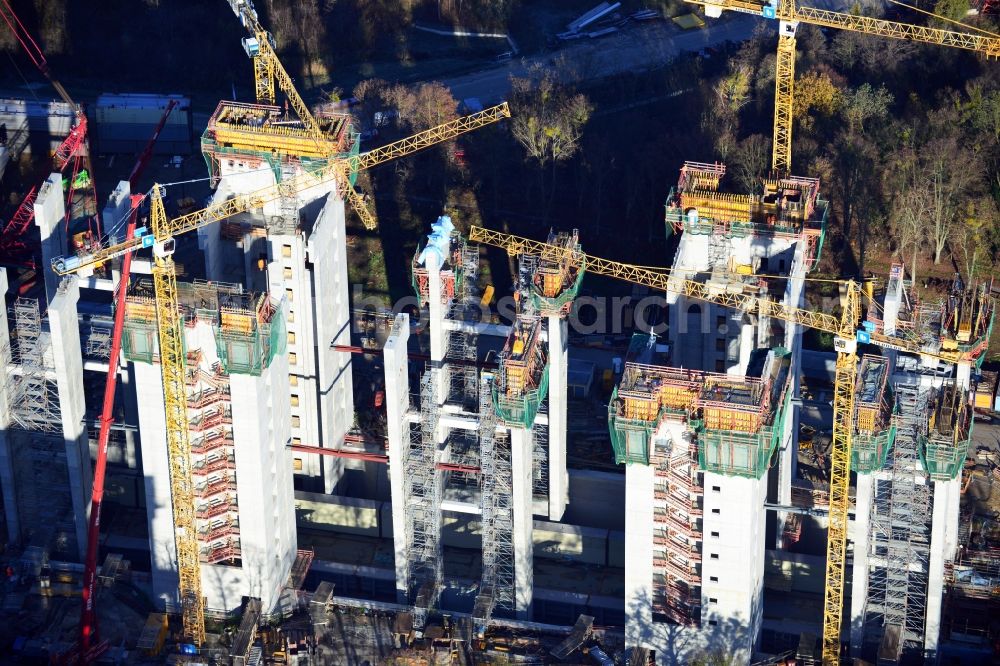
<point x="950" y="176"/>
<point x="910" y="213"/>
<point x="548" y="121"/>
<point x="753" y="157"/>
<point x="424" y="106"/>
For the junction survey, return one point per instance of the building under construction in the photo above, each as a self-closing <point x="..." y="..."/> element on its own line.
<point x="252" y="471"/>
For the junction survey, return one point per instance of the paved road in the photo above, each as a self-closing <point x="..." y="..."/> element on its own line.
<point x="636" y="48"/>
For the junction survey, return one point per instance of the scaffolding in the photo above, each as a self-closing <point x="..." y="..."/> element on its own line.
<point x="423" y="490"/>
<point x="899" y="539"/>
<point x="97" y="341"/>
<point x="522" y="381"/>
<point x="874" y="430"/>
<point x="497" y="585"/>
<point x="34" y="398"/>
<point x="556" y="280"/>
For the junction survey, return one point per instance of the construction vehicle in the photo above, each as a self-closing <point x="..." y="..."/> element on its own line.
<point x="73" y="149"/>
<point x="88" y="615"/>
<point x="789" y="14"/>
<point x="847" y="332"/>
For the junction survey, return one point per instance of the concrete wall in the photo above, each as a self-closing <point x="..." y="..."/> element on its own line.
<point x="264" y="483"/>
<point x="327" y="250"/>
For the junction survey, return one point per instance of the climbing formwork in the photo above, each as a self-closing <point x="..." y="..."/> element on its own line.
<point x="874" y="430"/>
<point x="955" y="328"/>
<point x="740" y="419"/>
<point x="522" y="380"/>
<point x="645" y="396"/>
<point x="788" y="207"/>
<point x="250" y="333"/>
<point x="453" y="270"/>
<point x="555" y="283"/>
<point x="949" y="431"/>
<point x="256" y="135"/>
<point x="647" y="418"/>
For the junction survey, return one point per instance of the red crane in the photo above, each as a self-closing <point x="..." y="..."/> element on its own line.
<point x="88" y="650"/>
<point x="73" y="148"/>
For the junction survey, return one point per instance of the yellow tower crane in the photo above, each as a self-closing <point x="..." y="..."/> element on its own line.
<point x="268" y="70"/>
<point x="170" y="325"/>
<point x="846" y="333"/>
<point x="789" y="14"/>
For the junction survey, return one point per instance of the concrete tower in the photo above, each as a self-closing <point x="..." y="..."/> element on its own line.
<point x="239" y="427"/>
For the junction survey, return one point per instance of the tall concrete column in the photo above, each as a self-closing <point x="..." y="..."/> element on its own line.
<point x="951" y="519"/>
<point x="50" y="210"/>
<point x="733" y="554"/>
<point x="521" y="466"/>
<point x="788" y="456"/>
<point x="935" y="573"/>
<point x="558" y="372"/>
<point x="638" y="555"/>
<point x="398" y="435"/>
<point x="859" y="573"/>
<point x="6" y="461"/>
<point x="67" y="357"/>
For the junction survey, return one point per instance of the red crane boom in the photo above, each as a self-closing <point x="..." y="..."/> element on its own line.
<point x="88" y="616"/>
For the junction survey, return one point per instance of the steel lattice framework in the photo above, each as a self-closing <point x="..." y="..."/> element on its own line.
<point x="662" y="280"/>
<point x="840" y="476"/>
<point x="901" y="532"/>
<point x="497" y="586"/>
<point x="423" y="490"/>
<point x="34" y="399"/>
<point x="784" y="81"/>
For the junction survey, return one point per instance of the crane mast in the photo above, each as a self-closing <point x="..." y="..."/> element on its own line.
<point x="170" y="335"/>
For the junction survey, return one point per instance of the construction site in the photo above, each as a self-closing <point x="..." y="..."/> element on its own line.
<point x="210" y="454"/>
